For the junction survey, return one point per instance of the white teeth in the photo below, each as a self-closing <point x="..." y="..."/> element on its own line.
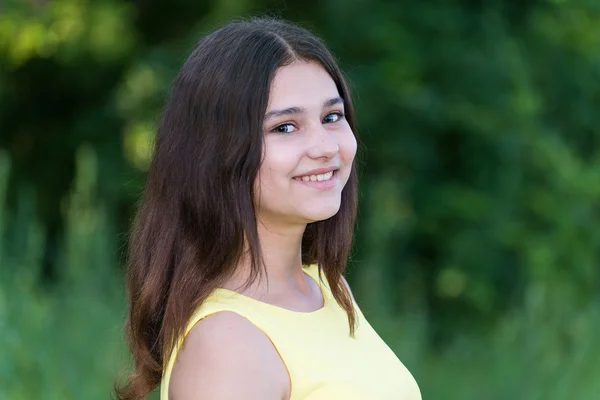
<point x="320" y="177"/>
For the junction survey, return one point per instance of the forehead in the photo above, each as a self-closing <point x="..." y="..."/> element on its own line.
<point x="303" y="84"/>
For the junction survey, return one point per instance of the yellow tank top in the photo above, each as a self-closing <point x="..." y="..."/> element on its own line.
<point x="323" y="361"/>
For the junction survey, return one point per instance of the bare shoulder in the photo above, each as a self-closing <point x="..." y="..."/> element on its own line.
<point x="225" y="357"/>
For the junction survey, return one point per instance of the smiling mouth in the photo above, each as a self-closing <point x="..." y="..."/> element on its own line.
<point x="316" y="178"/>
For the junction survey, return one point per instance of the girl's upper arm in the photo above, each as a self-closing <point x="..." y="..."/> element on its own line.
<point x="226" y="357"/>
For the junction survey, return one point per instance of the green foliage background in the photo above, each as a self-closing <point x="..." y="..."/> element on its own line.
<point x="477" y="247"/>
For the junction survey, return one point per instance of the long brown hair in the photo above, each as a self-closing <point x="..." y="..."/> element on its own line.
<point x="197" y="212"/>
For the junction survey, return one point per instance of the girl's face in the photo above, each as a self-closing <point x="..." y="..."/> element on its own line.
<point x="308" y="147"/>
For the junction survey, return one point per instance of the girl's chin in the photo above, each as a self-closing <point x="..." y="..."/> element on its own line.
<point x="321" y="214"/>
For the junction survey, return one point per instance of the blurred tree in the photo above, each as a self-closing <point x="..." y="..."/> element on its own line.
<point x="479" y="121"/>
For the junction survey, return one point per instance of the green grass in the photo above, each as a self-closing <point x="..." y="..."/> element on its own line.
<point x="66" y="342"/>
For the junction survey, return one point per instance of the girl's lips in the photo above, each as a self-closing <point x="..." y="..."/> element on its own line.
<point x="323" y="185"/>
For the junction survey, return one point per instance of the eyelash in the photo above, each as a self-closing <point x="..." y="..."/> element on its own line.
<point x="340" y="115"/>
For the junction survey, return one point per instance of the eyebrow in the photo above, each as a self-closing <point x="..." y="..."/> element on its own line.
<point x="300" y="110"/>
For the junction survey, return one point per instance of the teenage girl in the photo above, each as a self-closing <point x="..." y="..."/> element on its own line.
<point x="236" y="263"/>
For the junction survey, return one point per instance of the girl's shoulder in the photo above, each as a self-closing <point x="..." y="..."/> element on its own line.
<point x="220" y="349"/>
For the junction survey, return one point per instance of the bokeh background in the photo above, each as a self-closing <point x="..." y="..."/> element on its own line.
<point x="478" y="242"/>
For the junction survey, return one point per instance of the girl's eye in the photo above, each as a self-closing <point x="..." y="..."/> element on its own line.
<point x="285" y="128"/>
<point x="333" y="117"/>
